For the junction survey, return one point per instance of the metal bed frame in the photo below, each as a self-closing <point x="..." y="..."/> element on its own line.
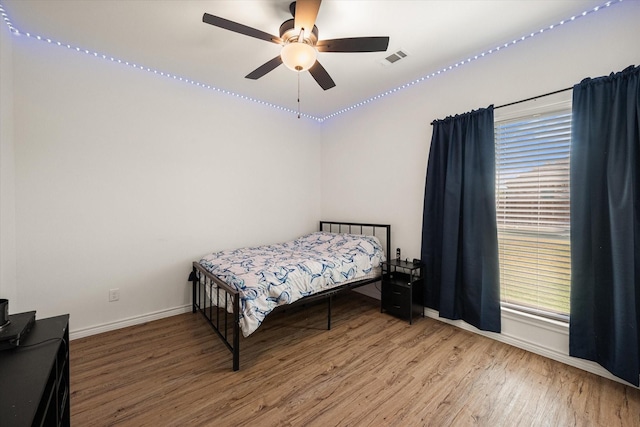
<point x="213" y="297"/>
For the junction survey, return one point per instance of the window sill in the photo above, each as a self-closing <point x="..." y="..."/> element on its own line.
<point x="538" y="321"/>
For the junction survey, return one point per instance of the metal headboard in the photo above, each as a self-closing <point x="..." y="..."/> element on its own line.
<point x="381" y="231"/>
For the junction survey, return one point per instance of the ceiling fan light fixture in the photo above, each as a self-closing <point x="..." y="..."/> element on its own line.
<point x="298" y="56"/>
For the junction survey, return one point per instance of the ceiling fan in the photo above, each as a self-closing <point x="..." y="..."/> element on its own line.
<point x="299" y="38"/>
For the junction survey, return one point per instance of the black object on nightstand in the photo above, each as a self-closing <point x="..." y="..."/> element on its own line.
<point x="402" y="288"/>
<point x="34" y="377"/>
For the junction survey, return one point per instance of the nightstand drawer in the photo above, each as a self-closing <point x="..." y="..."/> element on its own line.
<point x="396" y="293"/>
<point x="396" y="299"/>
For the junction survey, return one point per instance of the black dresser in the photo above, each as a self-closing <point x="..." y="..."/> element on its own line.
<point x="34" y="377"/>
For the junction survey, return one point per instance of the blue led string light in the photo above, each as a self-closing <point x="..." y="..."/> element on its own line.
<point x="7" y="20"/>
<point x="15" y="31"/>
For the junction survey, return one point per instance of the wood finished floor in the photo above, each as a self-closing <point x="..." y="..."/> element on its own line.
<point x="371" y="369"/>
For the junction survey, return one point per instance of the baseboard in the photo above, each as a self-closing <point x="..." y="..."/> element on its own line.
<point x="529" y="345"/>
<point x="131" y="321"/>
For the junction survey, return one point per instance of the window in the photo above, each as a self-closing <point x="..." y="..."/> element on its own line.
<point x="532" y="204"/>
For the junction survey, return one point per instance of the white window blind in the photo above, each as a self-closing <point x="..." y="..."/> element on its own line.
<point x="532" y="201"/>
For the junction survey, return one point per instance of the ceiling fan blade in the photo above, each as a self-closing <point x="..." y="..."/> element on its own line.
<point x="306" y="13"/>
<point x="264" y="68"/>
<point x="321" y="76"/>
<point x="216" y="21"/>
<point x="355" y="44"/>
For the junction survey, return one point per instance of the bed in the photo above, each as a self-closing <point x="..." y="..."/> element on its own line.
<point x="236" y="289"/>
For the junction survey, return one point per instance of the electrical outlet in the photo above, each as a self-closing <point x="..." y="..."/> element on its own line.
<point x="114" y="294"/>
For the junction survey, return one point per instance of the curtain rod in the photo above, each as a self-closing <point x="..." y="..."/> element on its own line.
<point x="535" y="97"/>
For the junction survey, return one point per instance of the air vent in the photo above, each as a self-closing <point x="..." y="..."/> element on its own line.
<point x="394" y="57"/>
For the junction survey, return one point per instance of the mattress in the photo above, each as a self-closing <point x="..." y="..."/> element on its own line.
<point x="273" y="275"/>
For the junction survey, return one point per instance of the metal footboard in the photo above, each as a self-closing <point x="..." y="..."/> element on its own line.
<point x="219" y="303"/>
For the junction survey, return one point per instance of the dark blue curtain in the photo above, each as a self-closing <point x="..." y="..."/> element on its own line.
<point x="605" y="223"/>
<point x="459" y="235"/>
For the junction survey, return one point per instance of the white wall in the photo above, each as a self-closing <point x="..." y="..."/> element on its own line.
<point x="388" y="141"/>
<point x="123" y="178"/>
<point x="8" y="283"/>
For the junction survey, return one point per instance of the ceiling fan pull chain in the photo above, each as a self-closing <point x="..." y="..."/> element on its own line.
<point x="298" y="94"/>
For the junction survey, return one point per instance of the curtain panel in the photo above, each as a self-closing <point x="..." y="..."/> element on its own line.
<point x="459" y="234"/>
<point x="605" y="223"/>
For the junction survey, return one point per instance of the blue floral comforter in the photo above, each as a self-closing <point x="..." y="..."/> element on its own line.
<point x="273" y="275"/>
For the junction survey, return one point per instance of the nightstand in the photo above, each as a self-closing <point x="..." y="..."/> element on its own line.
<point x="402" y="289"/>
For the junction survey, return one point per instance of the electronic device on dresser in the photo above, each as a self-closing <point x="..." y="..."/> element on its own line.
<point x="15" y="329"/>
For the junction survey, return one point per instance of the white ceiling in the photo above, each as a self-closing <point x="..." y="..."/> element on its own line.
<point x="169" y="36"/>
